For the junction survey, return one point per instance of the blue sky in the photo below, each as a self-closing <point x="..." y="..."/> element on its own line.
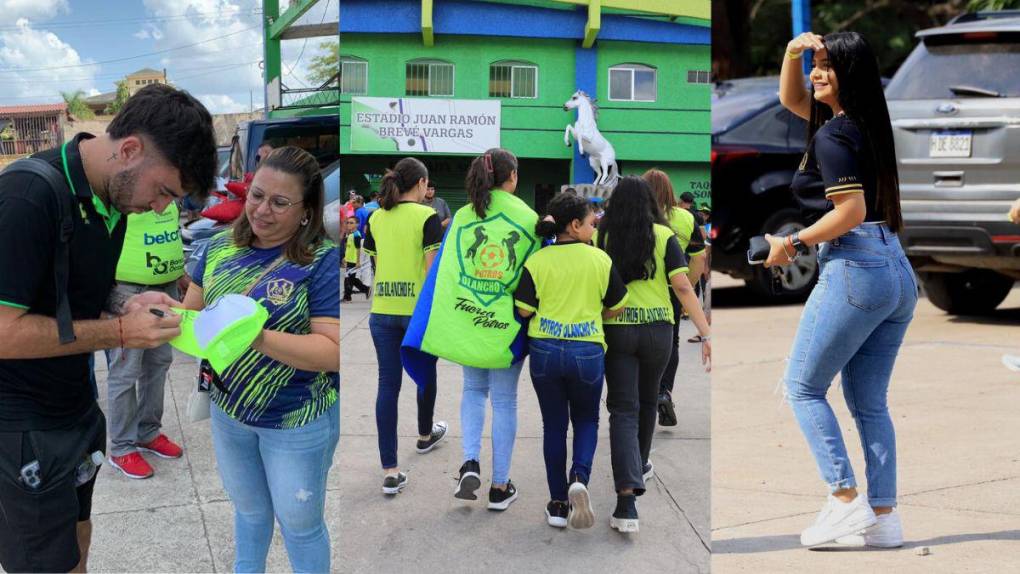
<point x="48" y="46"/>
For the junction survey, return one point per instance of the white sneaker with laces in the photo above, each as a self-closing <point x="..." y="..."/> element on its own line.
<point x="886" y="533"/>
<point x="839" y="519"/>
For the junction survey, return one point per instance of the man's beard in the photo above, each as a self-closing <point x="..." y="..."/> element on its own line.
<point x="121" y="188"/>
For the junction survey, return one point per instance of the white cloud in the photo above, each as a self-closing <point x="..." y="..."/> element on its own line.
<point x="149" y="31"/>
<point x="142" y="34"/>
<point x="39" y="64"/>
<point x="222" y="104"/>
<point x="93" y="92"/>
<point x="33" y="9"/>
<point x="236" y="34"/>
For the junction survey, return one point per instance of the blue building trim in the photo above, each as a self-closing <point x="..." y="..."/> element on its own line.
<point x="459" y="17"/>
<point x="586" y="76"/>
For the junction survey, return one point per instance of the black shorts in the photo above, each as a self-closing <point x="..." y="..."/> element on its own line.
<point x="41" y="507"/>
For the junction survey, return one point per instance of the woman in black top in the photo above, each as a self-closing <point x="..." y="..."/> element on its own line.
<point x="856" y="317"/>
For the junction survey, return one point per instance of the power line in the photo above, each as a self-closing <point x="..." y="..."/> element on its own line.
<point x="302" y="52"/>
<point x="130" y="57"/>
<point x="139" y="20"/>
<point x="114" y="75"/>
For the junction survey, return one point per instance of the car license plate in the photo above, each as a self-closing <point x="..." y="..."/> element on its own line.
<point x="950" y="144"/>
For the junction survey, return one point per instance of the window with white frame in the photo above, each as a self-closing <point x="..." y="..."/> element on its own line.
<point x="697" y="77"/>
<point x="353" y="76"/>
<point x="632" y="83"/>
<point x="429" y="78"/>
<point x="513" y="80"/>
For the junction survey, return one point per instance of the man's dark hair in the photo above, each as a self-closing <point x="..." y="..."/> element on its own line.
<point x="181" y="129"/>
<point x="687" y="197"/>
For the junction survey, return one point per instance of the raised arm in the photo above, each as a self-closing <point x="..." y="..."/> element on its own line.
<point x="792" y="93"/>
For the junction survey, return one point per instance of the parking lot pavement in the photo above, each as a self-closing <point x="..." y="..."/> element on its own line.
<point x="955" y="407"/>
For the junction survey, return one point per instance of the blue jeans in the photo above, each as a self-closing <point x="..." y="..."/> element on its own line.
<point x="387" y="334"/>
<point x="567" y="376"/>
<point x="281" y="473"/>
<point x="501" y="385"/>
<point x="853" y="324"/>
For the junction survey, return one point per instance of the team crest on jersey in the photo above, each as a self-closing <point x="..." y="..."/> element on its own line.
<point x="488" y="252"/>
<point x="278" y="291"/>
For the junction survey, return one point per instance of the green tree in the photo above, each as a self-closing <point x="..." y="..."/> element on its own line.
<point x="327" y="64"/>
<point x="76" y="105"/>
<point x="976" y="5"/>
<point x="122" y="97"/>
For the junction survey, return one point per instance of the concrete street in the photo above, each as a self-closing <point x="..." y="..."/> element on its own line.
<point x="955" y="407"/>
<point x="181" y="520"/>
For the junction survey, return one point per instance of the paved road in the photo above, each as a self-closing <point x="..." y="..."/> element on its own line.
<point x="181" y="521"/>
<point x="426" y="525"/>
<point x="956" y="413"/>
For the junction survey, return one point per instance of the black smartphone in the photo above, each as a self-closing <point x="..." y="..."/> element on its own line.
<point x="758" y="251"/>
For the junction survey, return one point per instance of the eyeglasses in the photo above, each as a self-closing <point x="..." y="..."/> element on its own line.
<point x="277" y="204"/>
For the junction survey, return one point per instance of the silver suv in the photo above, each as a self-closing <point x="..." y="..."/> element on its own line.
<point x="955" y="108"/>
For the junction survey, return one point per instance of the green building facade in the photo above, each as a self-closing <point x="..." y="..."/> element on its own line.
<point x="383" y="42"/>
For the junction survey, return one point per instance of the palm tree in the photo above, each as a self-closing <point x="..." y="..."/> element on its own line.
<point x="76" y="105"/>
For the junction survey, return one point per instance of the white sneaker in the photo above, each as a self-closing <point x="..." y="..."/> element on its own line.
<point x="886" y="533"/>
<point x="1012" y="362"/>
<point x="838" y="519"/>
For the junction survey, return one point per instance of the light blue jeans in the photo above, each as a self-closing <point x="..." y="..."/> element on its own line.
<point x="277" y="473"/>
<point x="853" y="324"/>
<point x="501" y="385"/>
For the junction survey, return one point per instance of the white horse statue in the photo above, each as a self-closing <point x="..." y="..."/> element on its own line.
<point x="601" y="155"/>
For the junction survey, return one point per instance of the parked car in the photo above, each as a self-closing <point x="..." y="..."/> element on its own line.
<point x="955" y="109"/>
<point x="757" y="145"/>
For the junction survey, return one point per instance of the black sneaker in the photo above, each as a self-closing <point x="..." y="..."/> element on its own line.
<point x="438" y="434"/>
<point x="469" y="481"/>
<point x="581" y="515"/>
<point x="667" y="413"/>
<point x="625" y="518"/>
<point x="368" y="293"/>
<point x="394" y="483"/>
<point x="556" y="513"/>
<point x="501" y="499"/>
<point x="648" y="471"/>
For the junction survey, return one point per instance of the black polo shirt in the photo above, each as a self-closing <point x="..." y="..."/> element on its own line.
<point x="837" y="162"/>
<point x="38" y="394"/>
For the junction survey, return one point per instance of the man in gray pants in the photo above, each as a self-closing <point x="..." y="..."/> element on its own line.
<point x="152" y="260"/>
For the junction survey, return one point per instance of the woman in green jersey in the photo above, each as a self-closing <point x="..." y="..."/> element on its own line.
<point x="569" y="287"/>
<point x="403" y="237"/>
<point x="648" y="257"/>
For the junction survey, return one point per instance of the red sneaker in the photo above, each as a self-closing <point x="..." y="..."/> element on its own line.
<point x="132" y="465"/>
<point x="163" y="447"/>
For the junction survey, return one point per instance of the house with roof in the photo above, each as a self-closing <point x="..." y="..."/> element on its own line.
<point x="135" y="81"/>
<point x="30" y="129"/>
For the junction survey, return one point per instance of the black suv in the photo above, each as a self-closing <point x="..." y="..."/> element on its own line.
<point x="955" y="108"/>
<point x="757" y="145"/>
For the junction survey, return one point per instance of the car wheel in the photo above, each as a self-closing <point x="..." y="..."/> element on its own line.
<point x="973" y="292"/>
<point x="798" y="278"/>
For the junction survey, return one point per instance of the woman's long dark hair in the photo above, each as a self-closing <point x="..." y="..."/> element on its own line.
<point x="626" y="231"/>
<point x="487" y="171"/>
<point x="399" y="180"/>
<point x="863" y="100"/>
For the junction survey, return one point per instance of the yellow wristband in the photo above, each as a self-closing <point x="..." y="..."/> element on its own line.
<point x="793" y="56"/>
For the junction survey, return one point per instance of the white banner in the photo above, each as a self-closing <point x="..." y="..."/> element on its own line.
<point x="424" y="125"/>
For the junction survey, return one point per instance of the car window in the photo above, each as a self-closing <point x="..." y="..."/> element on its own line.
<point x="772" y="127"/>
<point x="935" y="65"/>
<point x="732" y="108"/>
<point x="321" y="141"/>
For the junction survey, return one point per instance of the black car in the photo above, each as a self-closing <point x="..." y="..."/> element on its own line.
<point x="757" y="145"/>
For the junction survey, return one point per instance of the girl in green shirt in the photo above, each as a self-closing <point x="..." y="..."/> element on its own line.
<point x="566" y="289"/>
<point x="403" y="237"/>
<point x="648" y="257"/>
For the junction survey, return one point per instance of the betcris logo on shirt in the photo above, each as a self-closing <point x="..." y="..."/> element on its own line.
<point x="161" y="238"/>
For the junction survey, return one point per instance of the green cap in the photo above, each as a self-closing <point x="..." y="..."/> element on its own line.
<point x="221" y="332"/>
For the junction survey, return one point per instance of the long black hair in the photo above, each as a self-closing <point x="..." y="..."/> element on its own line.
<point x="564" y="209"/>
<point x="487" y="171"/>
<point x="863" y="102"/>
<point x="399" y="180"/>
<point x="626" y="231"/>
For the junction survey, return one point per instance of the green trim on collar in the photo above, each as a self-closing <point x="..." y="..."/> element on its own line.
<point x="15" y="305"/>
<point x="111" y="217"/>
